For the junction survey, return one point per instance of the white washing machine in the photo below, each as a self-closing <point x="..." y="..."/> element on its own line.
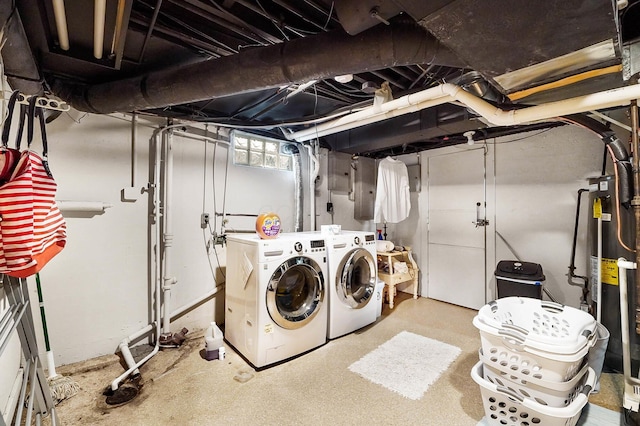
<point x="275" y="295"/>
<point x="352" y="281"/>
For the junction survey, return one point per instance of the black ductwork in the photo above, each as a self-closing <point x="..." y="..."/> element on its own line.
<point x="622" y="160"/>
<point x="311" y="58"/>
<point x="19" y="66"/>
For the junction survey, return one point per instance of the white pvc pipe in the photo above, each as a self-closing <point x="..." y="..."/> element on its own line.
<point x="61" y="24"/>
<point x="599" y="270"/>
<point x="450" y="92"/>
<point x="83" y="206"/>
<point x="99" y="13"/>
<point x="630" y="401"/>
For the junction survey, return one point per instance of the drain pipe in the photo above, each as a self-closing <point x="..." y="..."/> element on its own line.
<point x="133" y="366"/>
<point x="168" y="280"/>
<point x="293" y="150"/>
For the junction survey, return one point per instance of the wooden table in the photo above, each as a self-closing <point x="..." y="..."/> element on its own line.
<point x="392" y="278"/>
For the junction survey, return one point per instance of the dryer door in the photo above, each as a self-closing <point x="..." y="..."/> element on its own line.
<point x="295" y="292"/>
<point x="356" y="278"/>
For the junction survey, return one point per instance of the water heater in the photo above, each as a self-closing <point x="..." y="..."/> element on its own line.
<point x="604" y="215"/>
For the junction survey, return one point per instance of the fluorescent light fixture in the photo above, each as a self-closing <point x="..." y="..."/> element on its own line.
<point x="99" y="13"/>
<point x="61" y="24"/>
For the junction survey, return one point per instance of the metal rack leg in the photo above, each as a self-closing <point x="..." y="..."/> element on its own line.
<point x="40" y="399"/>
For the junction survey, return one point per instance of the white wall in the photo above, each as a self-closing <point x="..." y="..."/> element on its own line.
<point x="537" y="181"/>
<point x="537" y="176"/>
<point x="97" y="290"/>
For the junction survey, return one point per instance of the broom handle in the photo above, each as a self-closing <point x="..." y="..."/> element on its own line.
<point x="50" y="362"/>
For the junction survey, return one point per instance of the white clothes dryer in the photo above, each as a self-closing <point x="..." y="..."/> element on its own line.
<point x="275" y="295"/>
<point x="352" y="281"/>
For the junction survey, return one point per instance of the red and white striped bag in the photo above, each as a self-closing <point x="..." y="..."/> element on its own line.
<point x="32" y="229"/>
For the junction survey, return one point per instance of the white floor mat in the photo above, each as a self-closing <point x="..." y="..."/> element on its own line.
<point x="407" y="363"/>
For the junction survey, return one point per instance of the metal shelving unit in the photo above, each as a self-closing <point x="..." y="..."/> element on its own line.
<point x="35" y="398"/>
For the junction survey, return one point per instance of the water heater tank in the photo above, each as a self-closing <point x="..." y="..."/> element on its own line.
<point x="602" y="202"/>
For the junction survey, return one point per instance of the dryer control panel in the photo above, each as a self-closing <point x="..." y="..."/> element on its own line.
<point x="317" y="246"/>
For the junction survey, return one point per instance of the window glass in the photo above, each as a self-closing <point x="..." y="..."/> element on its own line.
<point x="257" y="151"/>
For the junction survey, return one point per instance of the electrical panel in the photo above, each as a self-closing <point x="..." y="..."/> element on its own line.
<point x="339" y="171"/>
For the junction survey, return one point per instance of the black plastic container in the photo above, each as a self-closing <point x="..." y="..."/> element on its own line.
<point x="515" y="278"/>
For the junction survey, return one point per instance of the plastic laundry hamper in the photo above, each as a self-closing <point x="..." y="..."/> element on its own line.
<point x="502" y="406"/>
<point x="544" y="340"/>
<point x="552" y="394"/>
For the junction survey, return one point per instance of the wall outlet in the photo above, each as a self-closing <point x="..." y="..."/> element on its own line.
<point x="204" y="220"/>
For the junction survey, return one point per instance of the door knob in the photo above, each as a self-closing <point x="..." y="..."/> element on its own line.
<point x="479" y="221"/>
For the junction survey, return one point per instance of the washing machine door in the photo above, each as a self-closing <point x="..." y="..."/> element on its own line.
<point x="356" y="278"/>
<point x="295" y="292"/>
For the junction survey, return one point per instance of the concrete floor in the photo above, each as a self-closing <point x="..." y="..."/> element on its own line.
<point x="180" y="387"/>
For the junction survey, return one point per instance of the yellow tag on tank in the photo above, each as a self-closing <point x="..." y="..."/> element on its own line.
<point x="597" y="208"/>
<point x="609" y="271"/>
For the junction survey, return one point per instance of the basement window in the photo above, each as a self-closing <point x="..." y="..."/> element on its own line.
<point x="259" y="151"/>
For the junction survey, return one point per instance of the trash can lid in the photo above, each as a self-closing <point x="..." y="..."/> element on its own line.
<point x="520" y="270"/>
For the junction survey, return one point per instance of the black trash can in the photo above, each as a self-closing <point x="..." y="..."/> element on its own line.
<point x="515" y="278"/>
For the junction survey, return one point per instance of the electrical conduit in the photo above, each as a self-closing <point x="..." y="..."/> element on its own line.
<point x="314" y="168"/>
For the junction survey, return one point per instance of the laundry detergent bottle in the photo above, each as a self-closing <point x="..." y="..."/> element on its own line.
<point x="213" y="342"/>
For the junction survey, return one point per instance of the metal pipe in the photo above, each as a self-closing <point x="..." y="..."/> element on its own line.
<point x="221" y="22"/>
<point x="124" y="346"/>
<point x="152" y="24"/>
<point x="99" y="14"/>
<point x="168" y="280"/>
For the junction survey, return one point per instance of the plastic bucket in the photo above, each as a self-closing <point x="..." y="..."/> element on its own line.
<point x="597" y="352"/>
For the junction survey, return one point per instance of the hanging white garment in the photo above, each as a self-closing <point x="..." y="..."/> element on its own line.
<point x="393" y="201"/>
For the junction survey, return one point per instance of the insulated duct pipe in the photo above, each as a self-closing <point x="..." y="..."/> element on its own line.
<point x="450" y="92"/>
<point x="298" y="193"/>
<point x="295" y="61"/>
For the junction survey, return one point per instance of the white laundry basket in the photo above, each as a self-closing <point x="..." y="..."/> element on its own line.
<point x="503" y="406"/>
<point x="543" y="340"/>
<point x="553" y="394"/>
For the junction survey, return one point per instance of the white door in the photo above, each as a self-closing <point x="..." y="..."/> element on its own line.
<point x="457" y="247"/>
